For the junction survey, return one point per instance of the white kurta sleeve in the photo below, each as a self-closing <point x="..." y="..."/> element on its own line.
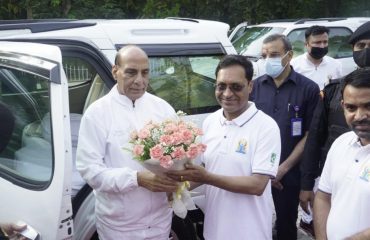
<point x="91" y="152"/>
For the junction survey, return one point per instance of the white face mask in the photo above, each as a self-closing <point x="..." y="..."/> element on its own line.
<point x="274" y="67"/>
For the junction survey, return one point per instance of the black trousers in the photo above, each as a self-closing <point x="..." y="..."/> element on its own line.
<point x="286" y="203"/>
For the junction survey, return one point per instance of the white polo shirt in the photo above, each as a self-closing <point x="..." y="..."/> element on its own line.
<point x="346" y="176"/>
<point x="329" y="68"/>
<point x="246" y="145"/>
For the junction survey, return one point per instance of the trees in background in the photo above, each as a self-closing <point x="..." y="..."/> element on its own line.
<point x="232" y="11"/>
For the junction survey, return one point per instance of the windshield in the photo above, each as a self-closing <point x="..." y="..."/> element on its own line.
<point x="250" y="43"/>
<point x="186" y="82"/>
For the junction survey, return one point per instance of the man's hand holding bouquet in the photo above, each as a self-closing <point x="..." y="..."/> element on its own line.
<point x="166" y="146"/>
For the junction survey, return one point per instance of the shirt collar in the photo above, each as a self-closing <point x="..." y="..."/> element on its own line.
<point x="243" y="118"/>
<point x="123" y="99"/>
<point x="322" y="63"/>
<point x="355" y="141"/>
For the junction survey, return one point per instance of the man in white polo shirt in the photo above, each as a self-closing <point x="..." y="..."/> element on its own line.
<point x="243" y="153"/>
<point x="341" y="207"/>
<point x="314" y="64"/>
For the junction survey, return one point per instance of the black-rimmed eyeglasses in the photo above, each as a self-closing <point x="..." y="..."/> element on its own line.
<point x="234" y="87"/>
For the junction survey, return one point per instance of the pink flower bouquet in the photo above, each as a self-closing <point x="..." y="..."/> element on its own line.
<point x="168" y="146"/>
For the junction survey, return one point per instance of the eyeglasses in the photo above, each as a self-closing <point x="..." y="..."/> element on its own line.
<point x="234" y="87"/>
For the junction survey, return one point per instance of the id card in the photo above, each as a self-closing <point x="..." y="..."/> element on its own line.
<point x="296" y="130"/>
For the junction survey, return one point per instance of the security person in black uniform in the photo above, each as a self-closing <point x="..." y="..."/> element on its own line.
<point x="328" y="121"/>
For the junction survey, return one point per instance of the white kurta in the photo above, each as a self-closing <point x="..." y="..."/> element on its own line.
<point x="249" y="144"/>
<point x="123" y="210"/>
<point x="329" y="68"/>
<point x="346" y="176"/>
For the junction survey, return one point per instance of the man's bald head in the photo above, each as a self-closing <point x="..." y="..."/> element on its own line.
<point x="128" y="50"/>
<point x="131" y="71"/>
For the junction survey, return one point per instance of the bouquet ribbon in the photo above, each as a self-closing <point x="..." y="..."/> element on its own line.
<point x="182" y="201"/>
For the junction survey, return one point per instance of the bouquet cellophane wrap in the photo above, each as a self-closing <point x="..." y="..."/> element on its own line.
<point x="181" y="199"/>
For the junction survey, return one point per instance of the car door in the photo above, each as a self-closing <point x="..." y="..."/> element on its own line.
<point x="35" y="157"/>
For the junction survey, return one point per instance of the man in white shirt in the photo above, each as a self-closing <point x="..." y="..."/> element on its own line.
<point x="341" y="206"/>
<point x="314" y="64"/>
<point x="243" y="153"/>
<point x="131" y="203"/>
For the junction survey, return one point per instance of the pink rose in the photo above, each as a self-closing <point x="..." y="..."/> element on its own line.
<point x="156" y="152"/>
<point x="170" y="128"/>
<point x="187" y="136"/>
<point x="144" y="133"/>
<point x="193" y="151"/>
<point x="166" y="161"/>
<point x="178" y="153"/>
<point x="138" y="150"/>
<point x="177" y="138"/>
<point x="166" y="140"/>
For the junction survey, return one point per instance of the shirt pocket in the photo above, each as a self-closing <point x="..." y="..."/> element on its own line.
<point x="120" y="137"/>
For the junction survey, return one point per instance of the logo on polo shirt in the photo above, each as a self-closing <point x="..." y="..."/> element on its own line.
<point x="242" y="145"/>
<point x="365" y="173"/>
<point x="273" y="159"/>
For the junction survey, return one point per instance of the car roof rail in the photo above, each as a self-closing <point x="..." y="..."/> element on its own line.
<point x="183" y="19"/>
<point x="282" y="20"/>
<point x="319" y="19"/>
<point x="43" y="25"/>
<point x="15" y="21"/>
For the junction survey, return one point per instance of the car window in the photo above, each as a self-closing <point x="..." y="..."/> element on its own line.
<point x="238" y="33"/>
<point x="84" y="83"/>
<point x="338" y="42"/>
<point x="27" y="152"/>
<point x="186" y="82"/>
<point x="250" y="43"/>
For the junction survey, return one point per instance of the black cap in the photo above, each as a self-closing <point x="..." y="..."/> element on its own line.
<point x="363" y="32"/>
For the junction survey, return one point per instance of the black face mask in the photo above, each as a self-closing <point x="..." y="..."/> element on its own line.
<point x="318" y="52"/>
<point x="362" y="57"/>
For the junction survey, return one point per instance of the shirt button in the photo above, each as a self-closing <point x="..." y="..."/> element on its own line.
<point x="275" y="109"/>
<point x="356" y="160"/>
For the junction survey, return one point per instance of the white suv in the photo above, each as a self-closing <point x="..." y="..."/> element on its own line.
<point x="47" y="89"/>
<point x="248" y="40"/>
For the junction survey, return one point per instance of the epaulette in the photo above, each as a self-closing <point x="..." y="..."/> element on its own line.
<point x="330" y="88"/>
<point x="333" y="82"/>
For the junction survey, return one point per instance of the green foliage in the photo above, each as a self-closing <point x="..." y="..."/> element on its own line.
<point x="232" y="11"/>
<point x="160" y="9"/>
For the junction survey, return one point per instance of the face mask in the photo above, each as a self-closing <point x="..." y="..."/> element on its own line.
<point x="362" y="57"/>
<point x="274" y="67"/>
<point x="318" y="52"/>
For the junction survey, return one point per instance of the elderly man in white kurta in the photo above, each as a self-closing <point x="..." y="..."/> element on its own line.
<point x="243" y="152"/>
<point x="131" y="203"/>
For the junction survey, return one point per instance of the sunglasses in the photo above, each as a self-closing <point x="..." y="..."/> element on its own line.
<point x="234" y="87"/>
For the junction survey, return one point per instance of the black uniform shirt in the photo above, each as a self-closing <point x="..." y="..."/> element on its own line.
<point x="327" y="124"/>
<point x="296" y="97"/>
